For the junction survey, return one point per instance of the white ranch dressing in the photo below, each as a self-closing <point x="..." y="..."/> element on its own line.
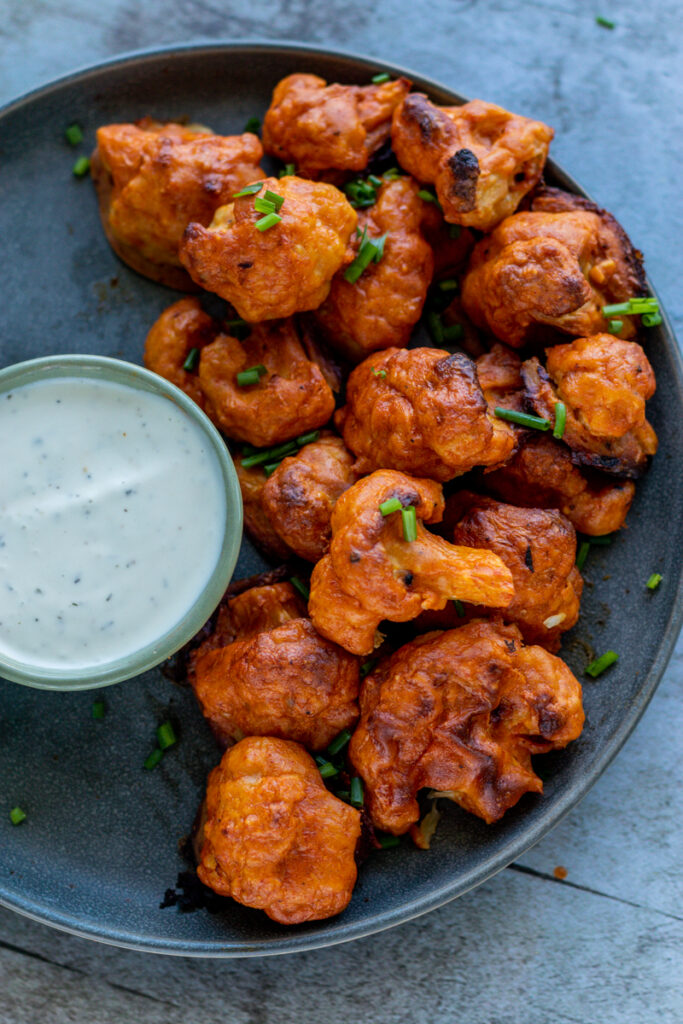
<point x="112" y="514"/>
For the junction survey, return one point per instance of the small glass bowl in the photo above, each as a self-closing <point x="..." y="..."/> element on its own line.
<point x="117" y="371"/>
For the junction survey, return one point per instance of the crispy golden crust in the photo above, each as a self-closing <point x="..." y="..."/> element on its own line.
<point x="153" y="179"/>
<point x="180" y="328"/>
<point x="299" y="496"/>
<point x="321" y="127"/>
<point x="625" y="456"/>
<point x="542" y="270"/>
<point x="274" y="837"/>
<point x="461" y="712"/>
<point x="541" y="475"/>
<point x="286" y="269"/>
<point x="289" y="399"/>
<point x="482" y="159"/>
<point x="427" y="415"/>
<point x="257" y="522"/>
<point x="381" y="308"/>
<point x="288" y="682"/>
<point x="539" y="548"/>
<point x="372" y="573"/>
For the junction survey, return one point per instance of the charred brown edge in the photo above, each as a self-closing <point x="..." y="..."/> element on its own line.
<point x="465" y="171"/>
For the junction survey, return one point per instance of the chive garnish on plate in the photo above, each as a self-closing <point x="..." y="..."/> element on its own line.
<point x="522" y="419"/>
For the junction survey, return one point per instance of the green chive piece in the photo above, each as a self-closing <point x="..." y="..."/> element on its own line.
<point x="166" y="736"/>
<point x="343" y="794"/>
<point x="453" y="332"/>
<point x="274" y="198"/>
<point x="435" y="327"/>
<point x="16" y="815"/>
<point x="307" y="438"/>
<point x="388" y="842"/>
<point x="73" y="134"/>
<point x="339" y="742"/>
<point x="604" y="22"/>
<point x="459" y="608"/>
<point x="409" y="517"/>
<point x="379" y="79"/>
<point x="582" y="555"/>
<point x="522" y="419"/>
<point x="379" y="247"/>
<point x="269" y="221"/>
<point x="98" y="709"/>
<point x="361" y="194"/>
<point x="270" y="454"/>
<point x="392" y="173"/>
<point x="300" y="586"/>
<point x="374" y="180"/>
<point x="245" y="378"/>
<point x="597" y="667"/>
<point x="654" y="581"/>
<point x="248" y="449"/>
<point x="379" y="373"/>
<point x="449" y="285"/>
<point x="253" y="126"/>
<point x="651" y="319"/>
<point x="153" y="759"/>
<point x="248" y="190"/>
<point x="632" y="307"/>
<point x="356" y="792"/>
<point x="287" y="171"/>
<point x="81" y="167"/>
<point x="327" y="770"/>
<point x="263" y="205"/>
<point x="370" y="249"/>
<point x="270" y="467"/>
<point x="615" y="326"/>
<point x="367" y="667"/>
<point x="192" y="360"/>
<point x="454" y="231"/>
<point x="389" y="506"/>
<point x="560" y="420"/>
<point x="428" y="196"/>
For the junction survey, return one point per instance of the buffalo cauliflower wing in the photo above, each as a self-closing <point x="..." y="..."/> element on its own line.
<point x="182" y="327"/>
<point x="461" y="712"/>
<point x="274" y="838"/>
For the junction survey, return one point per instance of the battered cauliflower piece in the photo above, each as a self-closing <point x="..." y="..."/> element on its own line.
<point x="153" y="179"/>
<point x="298" y="497"/>
<point x="381" y="308"/>
<point x="626" y="455"/>
<point x="372" y="573"/>
<point x="287" y="682"/>
<point x="421" y="411"/>
<point x="179" y="329"/>
<point x="541" y="475"/>
<point x="275" y="838"/>
<point x="552" y="268"/>
<point x="273" y="273"/>
<point x="257" y="522"/>
<point x="461" y="712"/>
<point x="539" y="548"/>
<point x="321" y="127"/>
<point x="290" y="398"/>
<point x="481" y="158"/>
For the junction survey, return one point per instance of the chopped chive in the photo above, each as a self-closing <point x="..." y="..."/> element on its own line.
<point x="449" y="285"/>
<point x="166" y="736"/>
<point x="598" y="666"/>
<point x="73" y="134"/>
<point x="153" y="759"/>
<point x="522" y="419"/>
<point x="253" y="125"/>
<point x="190" y="363"/>
<point x="270" y="454"/>
<point x="388" y="842"/>
<point x="378" y="373"/>
<point x="370" y="249"/>
<point x="339" y="742"/>
<point x="308" y="438"/>
<point x="409" y="517"/>
<point x="300" y="586"/>
<point x="389" y="506"/>
<point x="651" y="319"/>
<point x="98" y="709"/>
<point x="270" y="467"/>
<point x="459" y="608"/>
<point x="356" y="792"/>
<point x="269" y="221"/>
<point x="81" y="167"/>
<point x="379" y="247"/>
<point x="604" y="22"/>
<point x="327" y="770"/>
<point x="454" y="231"/>
<point x="248" y="190"/>
<point x="584" y="548"/>
<point x="361" y="194"/>
<point x="435" y="327"/>
<point x="245" y="378"/>
<point x="274" y="198"/>
<point x="367" y="667"/>
<point x="16" y="815"/>
<point x="263" y="205"/>
<point x="560" y="420"/>
<point x="632" y="307"/>
<point x="379" y="79"/>
<point x="374" y="180"/>
<point x="453" y="332"/>
<point x="248" y="449"/>
<point x="428" y="196"/>
<point x="392" y="174"/>
<point x="654" y="581"/>
<point x="287" y="171"/>
<point x="615" y="326"/>
<point x="342" y="794"/>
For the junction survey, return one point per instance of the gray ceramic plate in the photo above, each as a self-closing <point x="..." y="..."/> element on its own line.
<point x="100" y="844"/>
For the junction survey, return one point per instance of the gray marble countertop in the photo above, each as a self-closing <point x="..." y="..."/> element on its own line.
<point x="604" y="945"/>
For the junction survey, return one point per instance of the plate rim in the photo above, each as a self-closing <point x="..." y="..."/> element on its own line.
<point x="294" y="942"/>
